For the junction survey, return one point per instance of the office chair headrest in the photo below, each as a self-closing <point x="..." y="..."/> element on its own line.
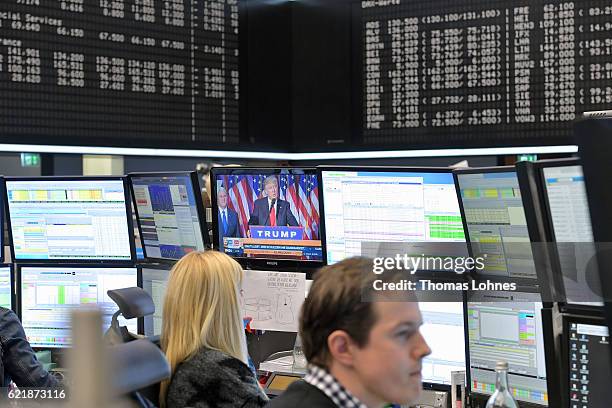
<point x="132" y="302"/>
<point x="136" y="365"/>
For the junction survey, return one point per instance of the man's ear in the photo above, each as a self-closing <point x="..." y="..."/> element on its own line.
<point x="341" y="347"/>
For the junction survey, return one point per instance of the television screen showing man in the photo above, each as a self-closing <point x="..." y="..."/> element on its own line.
<point x="272" y="214"/>
<point x="227" y="218"/>
<point x="270" y="210"/>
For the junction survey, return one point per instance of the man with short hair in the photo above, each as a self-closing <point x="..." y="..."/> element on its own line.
<point x="271" y="210"/>
<point x="227" y="219"/>
<point x="364" y="351"/>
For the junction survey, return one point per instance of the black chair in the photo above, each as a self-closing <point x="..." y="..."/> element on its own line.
<point x="133" y="303"/>
<point x="138" y="367"/>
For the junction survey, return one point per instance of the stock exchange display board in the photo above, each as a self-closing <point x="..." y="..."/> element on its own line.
<point x="120" y="71"/>
<point x="459" y="70"/>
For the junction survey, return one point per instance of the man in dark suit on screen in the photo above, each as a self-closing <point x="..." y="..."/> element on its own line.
<point x="270" y="210"/>
<point x="227" y="218"/>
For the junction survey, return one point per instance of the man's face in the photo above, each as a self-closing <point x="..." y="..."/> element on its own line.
<point x="389" y="365"/>
<point x="272" y="190"/>
<point x="222" y="199"/>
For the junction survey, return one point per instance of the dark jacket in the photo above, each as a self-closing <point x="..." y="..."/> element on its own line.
<point x="17" y="359"/>
<point x="300" y="394"/>
<point x="214" y="379"/>
<point x="261" y="213"/>
<point x="233" y="229"/>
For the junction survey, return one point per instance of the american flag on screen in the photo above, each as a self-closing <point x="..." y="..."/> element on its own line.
<point x="301" y="191"/>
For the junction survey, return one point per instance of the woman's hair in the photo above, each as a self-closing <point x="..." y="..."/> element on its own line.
<point x="201" y="309"/>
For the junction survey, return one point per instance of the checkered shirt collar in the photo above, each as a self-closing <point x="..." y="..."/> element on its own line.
<point x="324" y="381"/>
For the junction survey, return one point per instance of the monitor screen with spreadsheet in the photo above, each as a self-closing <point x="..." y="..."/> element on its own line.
<point x="587" y="342"/>
<point x="154" y="282"/>
<point x="48" y="295"/>
<point x="387" y="205"/>
<point x="443" y="321"/>
<point x="170" y="213"/>
<point x="6" y="287"/>
<point x="495" y="221"/>
<point x="568" y="211"/>
<point x="507" y="326"/>
<point x="59" y="219"/>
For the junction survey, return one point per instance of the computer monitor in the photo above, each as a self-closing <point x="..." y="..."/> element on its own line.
<point x="169" y="213"/>
<point x="507" y="326"/>
<point x="495" y="222"/>
<point x="6" y="287"/>
<point x="399" y="205"/>
<point x="269" y="214"/>
<point x="154" y="282"/>
<point x="594" y="140"/>
<point x="3" y="241"/>
<point x="587" y="343"/>
<point x="48" y="295"/>
<point x="567" y="210"/>
<point x="84" y="219"/>
<point x="442" y="321"/>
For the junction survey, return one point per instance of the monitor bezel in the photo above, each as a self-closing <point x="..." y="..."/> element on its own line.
<point x="521" y="281"/>
<point x="128" y="213"/>
<point x="12" y="281"/>
<point x="381" y="169"/>
<point x="532" y="204"/>
<point x="478" y="397"/>
<point x="549" y="229"/>
<point x="199" y="207"/>
<point x="593" y="139"/>
<point x="18" y="287"/>
<point x="567" y="320"/>
<point x="3" y="217"/>
<point x="291" y="265"/>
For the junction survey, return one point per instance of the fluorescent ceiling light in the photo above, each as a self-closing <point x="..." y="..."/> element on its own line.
<point x="394" y="154"/>
<point x="230" y="154"/>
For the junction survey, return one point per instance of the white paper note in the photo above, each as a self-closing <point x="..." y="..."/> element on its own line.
<point x="273" y="299"/>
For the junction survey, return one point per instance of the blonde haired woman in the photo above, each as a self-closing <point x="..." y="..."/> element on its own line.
<point x="203" y="336"/>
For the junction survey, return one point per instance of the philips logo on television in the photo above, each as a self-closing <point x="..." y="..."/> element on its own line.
<point x="265" y="232"/>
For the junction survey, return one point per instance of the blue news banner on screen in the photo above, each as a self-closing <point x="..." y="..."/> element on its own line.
<point x="269" y="216"/>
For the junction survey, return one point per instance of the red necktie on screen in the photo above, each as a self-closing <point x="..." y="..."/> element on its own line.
<point x="273" y="217"/>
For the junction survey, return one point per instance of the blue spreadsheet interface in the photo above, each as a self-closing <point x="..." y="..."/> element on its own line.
<point x="443" y="321"/>
<point x="167" y="215"/>
<point x="70" y="219"/>
<point x="508" y="326"/>
<point x="5" y="287"/>
<point x="155" y="283"/>
<point x="496" y="223"/>
<point x="48" y="295"/>
<point x="382" y="206"/>
<point x="571" y="223"/>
